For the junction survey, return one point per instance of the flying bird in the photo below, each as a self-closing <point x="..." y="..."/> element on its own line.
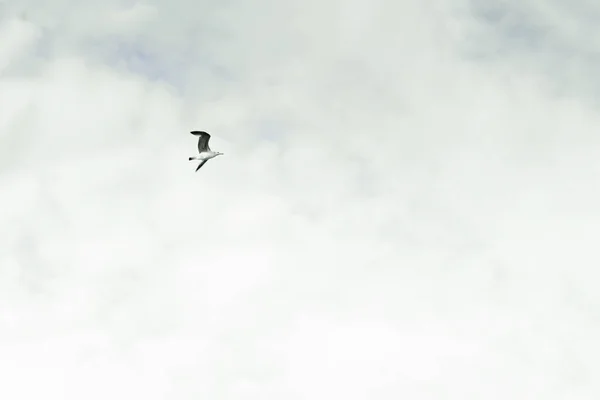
<point x="205" y="152"/>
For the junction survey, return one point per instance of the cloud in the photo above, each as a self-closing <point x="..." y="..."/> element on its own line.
<point x="405" y="208"/>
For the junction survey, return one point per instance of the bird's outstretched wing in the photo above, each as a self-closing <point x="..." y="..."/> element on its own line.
<point x="201" y="164"/>
<point x="202" y="140"/>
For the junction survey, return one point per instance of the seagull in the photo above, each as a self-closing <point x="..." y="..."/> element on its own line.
<point x="205" y="152"/>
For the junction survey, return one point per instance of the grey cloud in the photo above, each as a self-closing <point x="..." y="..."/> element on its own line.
<point x="391" y="217"/>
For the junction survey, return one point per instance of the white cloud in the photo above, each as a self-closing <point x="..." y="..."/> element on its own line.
<point x="18" y="36"/>
<point x="406" y="206"/>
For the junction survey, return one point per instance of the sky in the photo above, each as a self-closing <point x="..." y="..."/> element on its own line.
<point x="406" y="207"/>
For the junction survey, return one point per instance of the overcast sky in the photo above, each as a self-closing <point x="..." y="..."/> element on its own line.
<point x="408" y="204"/>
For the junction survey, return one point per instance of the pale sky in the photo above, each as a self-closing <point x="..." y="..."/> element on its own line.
<point x="408" y="206"/>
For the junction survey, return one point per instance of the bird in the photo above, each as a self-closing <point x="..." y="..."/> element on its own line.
<point x="205" y="152"/>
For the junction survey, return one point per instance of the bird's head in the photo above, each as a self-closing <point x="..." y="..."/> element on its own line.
<point x="219" y="154"/>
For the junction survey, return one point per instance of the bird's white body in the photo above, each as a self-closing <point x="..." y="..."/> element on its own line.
<point x="204" y="151"/>
<point x="206" y="155"/>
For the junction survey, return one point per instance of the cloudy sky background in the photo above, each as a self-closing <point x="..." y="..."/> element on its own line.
<point x="407" y="206"/>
